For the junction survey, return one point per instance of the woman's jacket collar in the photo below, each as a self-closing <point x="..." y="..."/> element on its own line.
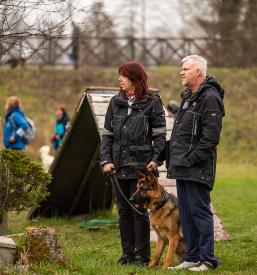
<point x="122" y="100"/>
<point x="14" y="110"/>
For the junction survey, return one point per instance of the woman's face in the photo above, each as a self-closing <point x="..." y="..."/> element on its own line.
<point x="58" y="112"/>
<point x="126" y="84"/>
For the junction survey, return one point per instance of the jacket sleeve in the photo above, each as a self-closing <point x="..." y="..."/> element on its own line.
<point x="107" y="138"/>
<point x="211" y="125"/>
<point x="158" y="124"/>
<point x="21" y="125"/>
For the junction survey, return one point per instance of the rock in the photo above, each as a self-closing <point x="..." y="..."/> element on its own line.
<point x="7" y="251"/>
<point x="42" y="244"/>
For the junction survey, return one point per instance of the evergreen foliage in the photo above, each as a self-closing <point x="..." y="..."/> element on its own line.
<point x="23" y="182"/>
<point x="229" y="29"/>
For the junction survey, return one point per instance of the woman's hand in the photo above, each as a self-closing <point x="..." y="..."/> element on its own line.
<point x="12" y="139"/>
<point x="152" y="166"/>
<point x="108" y="167"/>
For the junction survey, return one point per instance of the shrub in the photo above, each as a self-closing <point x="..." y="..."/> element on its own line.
<point x="23" y="182"/>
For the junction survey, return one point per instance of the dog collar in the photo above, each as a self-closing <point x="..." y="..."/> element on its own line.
<point x="163" y="200"/>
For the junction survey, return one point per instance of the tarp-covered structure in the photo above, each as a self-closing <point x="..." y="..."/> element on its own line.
<point x="79" y="185"/>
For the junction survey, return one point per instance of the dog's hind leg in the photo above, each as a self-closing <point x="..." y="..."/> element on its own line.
<point x="173" y="243"/>
<point x="160" y="245"/>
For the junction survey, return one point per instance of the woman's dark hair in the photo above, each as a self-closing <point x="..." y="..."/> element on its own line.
<point x="65" y="116"/>
<point x="60" y="107"/>
<point x="136" y="73"/>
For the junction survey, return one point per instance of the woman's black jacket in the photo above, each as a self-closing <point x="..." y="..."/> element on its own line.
<point x="133" y="135"/>
<point x="196" y="133"/>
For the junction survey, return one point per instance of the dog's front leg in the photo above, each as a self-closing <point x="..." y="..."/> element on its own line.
<point x="160" y="245"/>
<point x="173" y="243"/>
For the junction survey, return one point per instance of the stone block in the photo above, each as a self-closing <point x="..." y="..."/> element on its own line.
<point x="7" y="251"/>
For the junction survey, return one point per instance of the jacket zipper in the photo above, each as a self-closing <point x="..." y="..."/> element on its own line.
<point x="195" y="129"/>
<point x="192" y="135"/>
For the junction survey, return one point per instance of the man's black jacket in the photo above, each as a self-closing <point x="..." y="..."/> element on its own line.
<point x="196" y="133"/>
<point x="133" y="135"/>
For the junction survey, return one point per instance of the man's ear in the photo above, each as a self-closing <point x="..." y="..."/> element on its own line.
<point x="199" y="73"/>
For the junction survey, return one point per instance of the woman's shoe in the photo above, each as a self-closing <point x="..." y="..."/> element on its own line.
<point x="140" y="261"/>
<point x="126" y="259"/>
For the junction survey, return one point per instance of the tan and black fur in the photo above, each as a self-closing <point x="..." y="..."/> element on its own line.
<point x="164" y="217"/>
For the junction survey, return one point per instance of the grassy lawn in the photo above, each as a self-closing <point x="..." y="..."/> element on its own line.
<point x="96" y="252"/>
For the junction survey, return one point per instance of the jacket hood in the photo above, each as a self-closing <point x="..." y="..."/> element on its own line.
<point x="63" y="119"/>
<point x="212" y="82"/>
<point x="14" y="110"/>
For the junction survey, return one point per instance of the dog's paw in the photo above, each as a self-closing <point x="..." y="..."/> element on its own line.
<point x="165" y="266"/>
<point x="152" y="264"/>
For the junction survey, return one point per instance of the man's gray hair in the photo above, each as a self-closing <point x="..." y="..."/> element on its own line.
<point x="198" y="61"/>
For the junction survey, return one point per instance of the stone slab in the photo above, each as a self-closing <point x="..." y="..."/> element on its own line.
<point x="7" y="251"/>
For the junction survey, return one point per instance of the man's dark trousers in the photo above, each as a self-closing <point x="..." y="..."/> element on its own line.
<point x="197" y="221"/>
<point x="134" y="228"/>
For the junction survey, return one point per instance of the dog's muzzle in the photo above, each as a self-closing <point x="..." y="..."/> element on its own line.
<point x="137" y="199"/>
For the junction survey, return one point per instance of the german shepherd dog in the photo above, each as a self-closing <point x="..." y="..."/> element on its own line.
<point x="164" y="217"/>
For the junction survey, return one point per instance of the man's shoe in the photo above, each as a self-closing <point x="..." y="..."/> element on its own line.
<point x="202" y="267"/>
<point x="126" y="259"/>
<point x="185" y="265"/>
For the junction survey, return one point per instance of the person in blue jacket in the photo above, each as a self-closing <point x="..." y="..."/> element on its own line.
<point x="61" y="125"/>
<point x="15" y="124"/>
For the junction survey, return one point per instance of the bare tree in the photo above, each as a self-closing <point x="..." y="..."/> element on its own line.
<point x="23" y="19"/>
<point x="98" y="39"/>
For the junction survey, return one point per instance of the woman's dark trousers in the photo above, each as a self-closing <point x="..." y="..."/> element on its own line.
<point x="134" y="228"/>
<point x="197" y="221"/>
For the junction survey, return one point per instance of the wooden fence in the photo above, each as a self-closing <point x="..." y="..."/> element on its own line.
<point x="110" y="51"/>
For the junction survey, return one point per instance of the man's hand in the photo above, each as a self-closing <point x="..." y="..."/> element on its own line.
<point x="152" y="166"/>
<point x="12" y="139"/>
<point x="108" y="167"/>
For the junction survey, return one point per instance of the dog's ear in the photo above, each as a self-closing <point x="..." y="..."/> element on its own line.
<point x="153" y="179"/>
<point x="146" y="171"/>
<point x="140" y="174"/>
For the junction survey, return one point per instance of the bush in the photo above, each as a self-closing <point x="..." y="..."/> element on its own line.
<point x="23" y="182"/>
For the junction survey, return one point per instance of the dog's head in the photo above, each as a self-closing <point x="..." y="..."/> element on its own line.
<point x="147" y="186"/>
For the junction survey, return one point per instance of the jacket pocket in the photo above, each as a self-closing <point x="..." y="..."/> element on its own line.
<point x="115" y="154"/>
<point x="141" y="154"/>
<point x="178" y="154"/>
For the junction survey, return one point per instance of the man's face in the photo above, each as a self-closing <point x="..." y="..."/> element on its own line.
<point x="189" y="74"/>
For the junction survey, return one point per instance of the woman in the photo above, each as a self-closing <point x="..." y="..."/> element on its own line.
<point x="61" y="125"/>
<point x="15" y="124"/>
<point x="133" y="137"/>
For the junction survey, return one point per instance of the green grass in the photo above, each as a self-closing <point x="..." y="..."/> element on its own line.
<point x="96" y="252"/>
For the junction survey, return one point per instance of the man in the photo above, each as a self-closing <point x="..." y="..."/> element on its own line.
<point x="172" y="109"/>
<point x="192" y="162"/>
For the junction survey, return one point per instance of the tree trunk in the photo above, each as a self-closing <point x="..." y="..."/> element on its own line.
<point x="3" y="225"/>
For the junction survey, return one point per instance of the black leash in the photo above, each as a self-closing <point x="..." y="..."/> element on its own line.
<point x="115" y="180"/>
